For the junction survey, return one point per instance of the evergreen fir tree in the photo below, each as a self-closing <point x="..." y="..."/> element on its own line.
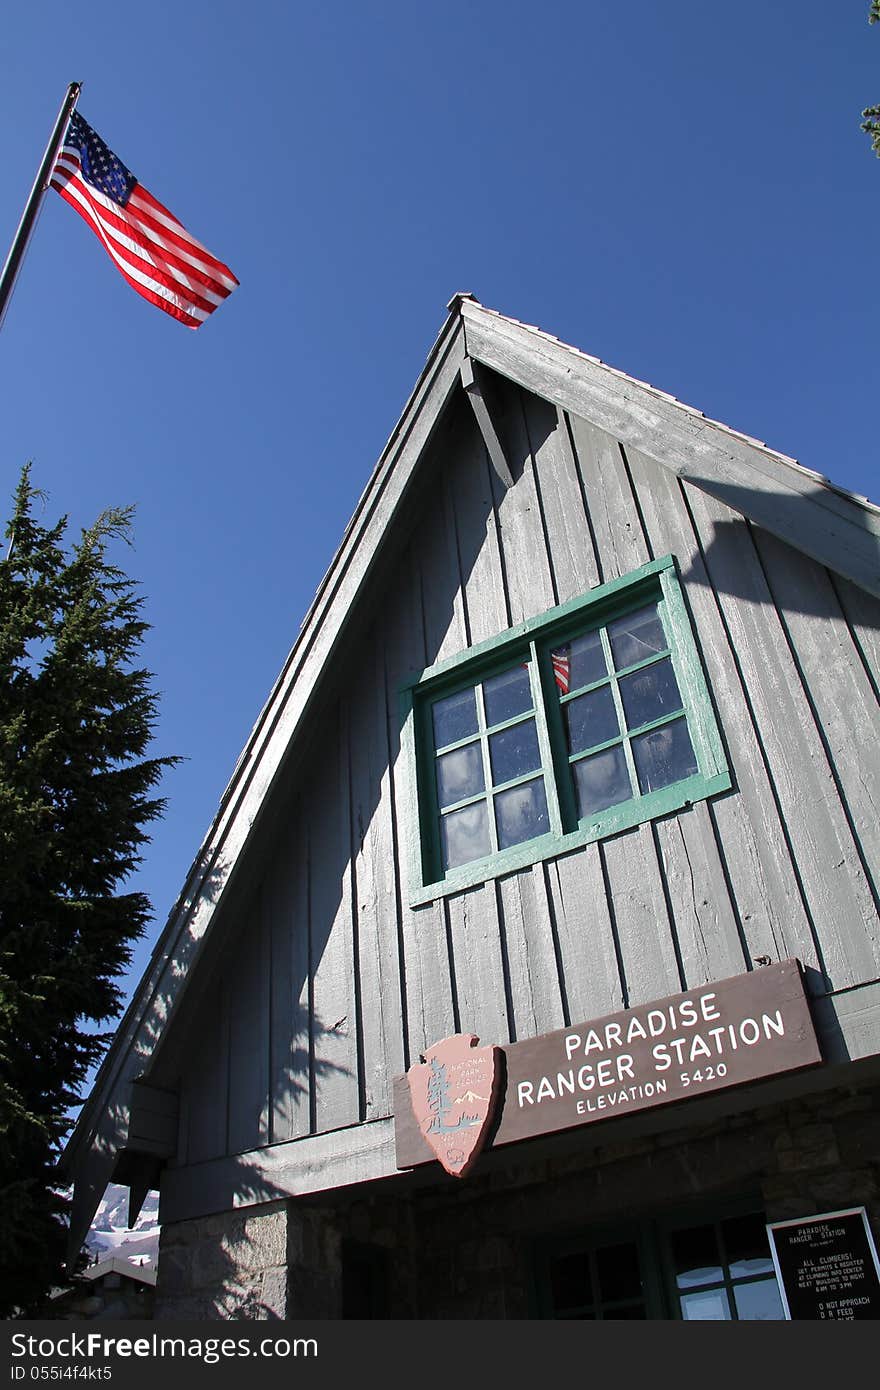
<point x="76" y="718"/>
<point x="871" y="114"/>
<point x="438" y="1094"/>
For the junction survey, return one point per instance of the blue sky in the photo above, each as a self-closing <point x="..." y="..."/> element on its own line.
<point x="681" y="189"/>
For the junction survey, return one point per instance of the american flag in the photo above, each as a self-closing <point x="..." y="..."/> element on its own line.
<point x="561" y="668"/>
<point x="157" y="255"/>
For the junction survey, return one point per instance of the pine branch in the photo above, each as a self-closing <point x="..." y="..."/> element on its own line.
<point x="871" y="125"/>
<point x="871" y="114"/>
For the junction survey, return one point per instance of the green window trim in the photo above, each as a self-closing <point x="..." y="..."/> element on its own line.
<point x="738" y="1284"/>
<point x="530" y="643"/>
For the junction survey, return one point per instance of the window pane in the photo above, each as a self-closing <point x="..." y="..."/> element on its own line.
<point x="591" y="719"/>
<point x="634" y="1311"/>
<point x="619" y="1273"/>
<point x="710" y="1306"/>
<point x="514" y="752"/>
<point x="695" y="1257"/>
<point x="746" y="1246"/>
<point x="570" y="1280"/>
<point x="507" y="695"/>
<point x="664" y="756"/>
<point x="636" y="637"/>
<point x="465" y="835"/>
<point x="578" y="663"/>
<point x="602" y="780"/>
<point x="521" y="813"/>
<point x="759" y="1302"/>
<point x="455" y="717"/>
<point x="460" y="774"/>
<point x="649" y="694"/>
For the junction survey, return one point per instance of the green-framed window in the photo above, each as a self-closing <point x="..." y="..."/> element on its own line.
<point x="709" y="1265"/>
<point x="608" y="1274"/>
<point x="589" y="720"/>
<point x="722" y="1270"/>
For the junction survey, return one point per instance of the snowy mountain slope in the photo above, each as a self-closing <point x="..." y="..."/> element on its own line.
<point x="110" y="1234"/>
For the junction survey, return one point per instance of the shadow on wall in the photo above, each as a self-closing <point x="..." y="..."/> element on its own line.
<point x="232" y="1266"/>
<point x="287" y="1035"/>
<point x="290" y="1035"/>
<point x="281" y="1256"/>
<point x="310" y="961"/>
<point x="268" y="1255"/>
<point x="271" y="1048"/>
<point x="810" y="520"/>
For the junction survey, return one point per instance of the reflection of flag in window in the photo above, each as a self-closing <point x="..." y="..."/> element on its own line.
<point x="561" y="668"/>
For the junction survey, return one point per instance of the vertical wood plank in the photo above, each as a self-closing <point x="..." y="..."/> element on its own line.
<point x="644" y="932"/>
<point x="443" y="622"/>
<point x="374" y="878"/>
<point x="645" y="937"/>
<point x="752" y="902"/>
<point x="750" y="852"/>
<point x="334" y="1001"/>
<point x="481" y="572"/>
<point x="575" y="883"/>
<point x="838" y="897"/>
<point x="478" y="962"/>
<point x="837" y="686"/>
<point x="428" y="992"/>
<point x="591" y="973"/>
<point x="620" y="542"/>
<point x="862" y="613"/>
<point x="246" y="982"/>
<point x="205" y="1081"/>
<point x="535" y="992"/>
<point x="287" y="903"/>
<point x="709" y="945"/>
<point x="520" y="526"/>
<point x="572" y="557"/>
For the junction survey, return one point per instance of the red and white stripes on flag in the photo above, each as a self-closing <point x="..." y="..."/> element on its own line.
<point x="151" y="249"/>
<point x="561" y="668"/>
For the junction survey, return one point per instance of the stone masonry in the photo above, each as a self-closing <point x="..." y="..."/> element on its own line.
<point x="462" y="1249"/>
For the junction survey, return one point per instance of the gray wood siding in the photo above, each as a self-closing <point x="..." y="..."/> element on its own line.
<point x="286" y="903"/>
<point x="332" y="983"/>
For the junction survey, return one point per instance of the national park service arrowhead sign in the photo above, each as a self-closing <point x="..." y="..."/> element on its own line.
<point x="719" y="1035"/>
<point x="453" y="1094"/>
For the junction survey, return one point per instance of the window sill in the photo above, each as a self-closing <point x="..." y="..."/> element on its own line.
<point x="606" y="823"/>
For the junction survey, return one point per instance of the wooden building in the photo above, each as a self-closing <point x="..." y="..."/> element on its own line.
<point x="113" y="1289"/>
<point x="582" y="724"/>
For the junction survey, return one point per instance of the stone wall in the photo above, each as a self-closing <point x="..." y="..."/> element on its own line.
<point x="463" y="1249"/>
<point x="807" y="1156"/>
<point x="233" y="1265"/>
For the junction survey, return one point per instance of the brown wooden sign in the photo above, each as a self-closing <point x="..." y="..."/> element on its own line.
<point x="453" y="1094"/>
<point x="723" y="1034"/>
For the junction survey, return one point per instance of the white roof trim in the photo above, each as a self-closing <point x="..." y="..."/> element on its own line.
<point x="837" y="528"/>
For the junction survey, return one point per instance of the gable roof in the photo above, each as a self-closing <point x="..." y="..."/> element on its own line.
<point x="117" y="1264"/>
<point x="833" y="526"/>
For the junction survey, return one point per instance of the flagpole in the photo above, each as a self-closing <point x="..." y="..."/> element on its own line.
<point x="37" y="193"/>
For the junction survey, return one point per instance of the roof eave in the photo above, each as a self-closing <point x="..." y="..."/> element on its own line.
<point x="835" y="527"/>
